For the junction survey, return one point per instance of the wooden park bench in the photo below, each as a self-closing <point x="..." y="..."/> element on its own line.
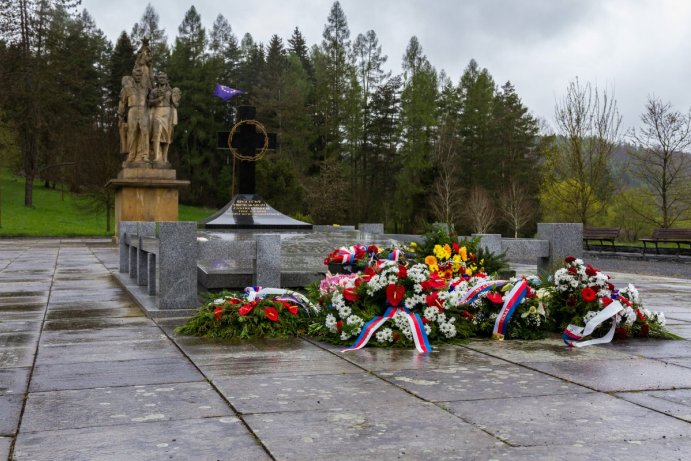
<point x="665" y="235"/>
<point x="602" y="234"/>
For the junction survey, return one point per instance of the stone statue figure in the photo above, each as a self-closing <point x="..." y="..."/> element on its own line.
<point x="125" y="92"/>
<point x="163" y="102"/>
<point x="133" y="108"/>
<point x="143" y="62"/>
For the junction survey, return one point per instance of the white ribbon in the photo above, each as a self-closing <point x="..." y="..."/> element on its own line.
<point x="573" y="333"/>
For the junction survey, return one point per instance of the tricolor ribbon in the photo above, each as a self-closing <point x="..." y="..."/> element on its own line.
<point x="417" y="328"/>
<point x="573" y="333"/>
<point x="347" y="255"/>
<point x="481" y="287"/>
<point x="281" y="294"/>
<point x="511" y="302"/>
<point x="394" y="255"/>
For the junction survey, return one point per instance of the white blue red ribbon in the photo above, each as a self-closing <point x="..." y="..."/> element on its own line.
<point x="481" y="287"/>
<point x="417" y="328"/>
<point x="511" y="302"/>
<point x="573" y="333"/>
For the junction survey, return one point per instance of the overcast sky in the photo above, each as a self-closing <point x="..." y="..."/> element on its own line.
<point x="634" y="47"/>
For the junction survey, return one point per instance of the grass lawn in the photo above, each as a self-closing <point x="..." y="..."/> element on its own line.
<point x="57" y="214"/>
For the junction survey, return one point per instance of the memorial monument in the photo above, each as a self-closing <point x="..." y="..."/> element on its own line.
<point x="146" y="188"/>
<point x="248" y="142"/>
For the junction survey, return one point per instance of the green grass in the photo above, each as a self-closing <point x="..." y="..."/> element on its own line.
<point x="57" y="214"/>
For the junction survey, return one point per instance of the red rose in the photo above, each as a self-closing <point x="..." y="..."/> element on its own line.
<point x="339" y="325"/>
<point x="467" y="315"/>
<point x="569" y="259"/>
<point x="424" y="320"/>
<point x="396" y="336"/>
<point x="640" y="315"/>
<point x="573" y="270"/>
<point x="402" y="272"/>
<point x="590" y="271"/>
<point x="645" y="330"/>
<point x="531" y="293"/>
<point x="218" y="312"/>
<point x="621" y="333"/>
<point x="588" y="294"/>
<point x="271" y="314"/>
<point x="455" y="247"/>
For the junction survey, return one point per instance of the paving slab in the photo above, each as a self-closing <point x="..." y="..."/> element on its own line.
<point x="569" y="419"/>
<point x="107" y="351"/>
<point x="22" y="312"/>
<point x="197" y="439"/>
<point x="545" y="350"/>
<point x="12" y="326"/>
<point x="418" y="431"/>
<point x="109" y="406"/>
<point x="675" y="403"/>
<point x="96" y="323"/>
<point x="681" y="330"/>
<point x="685" y="315"/>
<point x="472" y="381"/>
<point x="619" y="376"/>
<point x="5" y="443"/>
<point x="13" y="380"/>
<point x="76" y="313"/>
<point x="144" y="333"/>
<point x="386" y="359"/>
<point x="652" y="348"/>
<point x="10" y="409"/>
<point x="632" y="450"/>
<point x="89" y="375"/>
<point x="21" y="300"/>
<point x="12" y="357"/>
<point x="683" y="362"/>
<point x="19" y="339"/>
<point x="282" y="393"/>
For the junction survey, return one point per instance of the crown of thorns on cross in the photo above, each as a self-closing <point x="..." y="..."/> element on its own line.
<point x="249" y="158"/>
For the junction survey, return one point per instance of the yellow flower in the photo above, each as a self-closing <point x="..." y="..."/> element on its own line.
<point x="431" y="261"/>
<point x="469" y="271"/>
<point x="464" y="254"/>
<point x="438" y="251"/>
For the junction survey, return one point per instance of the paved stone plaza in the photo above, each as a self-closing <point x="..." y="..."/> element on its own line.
<point x="84" y="375"/>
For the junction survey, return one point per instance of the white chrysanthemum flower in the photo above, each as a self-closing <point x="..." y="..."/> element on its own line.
<point x="219" y="301"/>
<point x="345" y="335"/>
<point x="428" y="330"/>
<point x="385" y="335"/>
<point x="430" y="313"/>
<point x="331" y="323"/>
<point x="660" y="318"/>
<point x="344" y="312"/>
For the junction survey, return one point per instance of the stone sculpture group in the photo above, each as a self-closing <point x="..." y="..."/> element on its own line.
<point x="147" y="113"/>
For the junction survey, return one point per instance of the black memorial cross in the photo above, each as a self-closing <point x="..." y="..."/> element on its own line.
<point x="248" y="142"/>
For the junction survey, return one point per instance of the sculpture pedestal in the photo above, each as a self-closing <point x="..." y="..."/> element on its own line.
<point x="146" y="194"/>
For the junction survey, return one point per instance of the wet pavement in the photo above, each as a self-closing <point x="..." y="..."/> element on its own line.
<point x="84" y="375"/>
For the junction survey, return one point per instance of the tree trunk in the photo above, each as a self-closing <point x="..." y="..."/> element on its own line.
<point x="29" y="190"/>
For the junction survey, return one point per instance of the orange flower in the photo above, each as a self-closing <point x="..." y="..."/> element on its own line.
<point x="431" y="260"/>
